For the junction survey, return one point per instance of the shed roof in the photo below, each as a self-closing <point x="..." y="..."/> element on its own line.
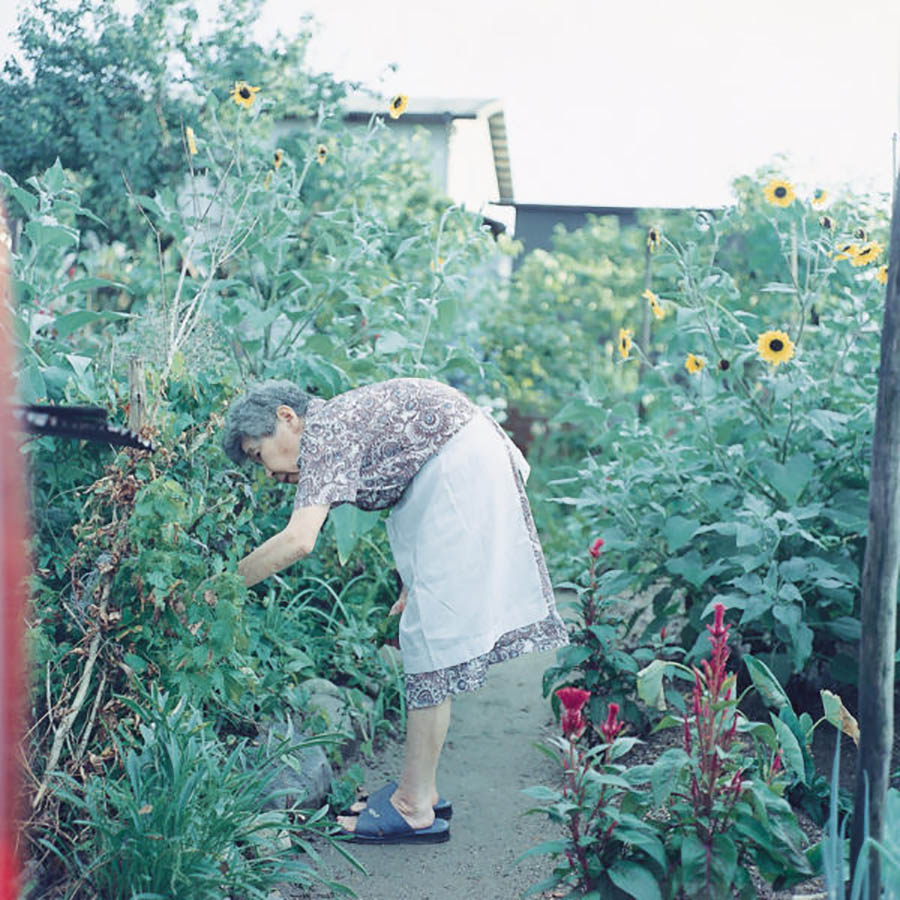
<point x="432" y="110"/>
<point x="423" y="109"/>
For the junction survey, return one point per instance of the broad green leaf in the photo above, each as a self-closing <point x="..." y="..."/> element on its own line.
<point x="664" y="773"/>
<point x="634" y="879"/>
<point x="350" y="523"/>
<point x="789" y="479"/>
<point x="792" y="753"/>
<point x="650" y="684"/>
<point x="766" y="683"/>
<point x="839" y="716"/>
<point x="678" y="531"/>
<point x="66" y="324"/>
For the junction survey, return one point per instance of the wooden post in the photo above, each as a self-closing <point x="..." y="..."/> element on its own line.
<point x="137" y="395"/>
<point x="879" y="584"/>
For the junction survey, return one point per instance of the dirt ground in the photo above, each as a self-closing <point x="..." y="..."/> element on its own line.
<point x="489" y="757"/>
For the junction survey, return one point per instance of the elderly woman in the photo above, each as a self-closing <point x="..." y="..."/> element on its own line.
<point x="475" y="588"/>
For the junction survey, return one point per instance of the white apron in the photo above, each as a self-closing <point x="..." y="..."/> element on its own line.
<point x="462" y="547"/>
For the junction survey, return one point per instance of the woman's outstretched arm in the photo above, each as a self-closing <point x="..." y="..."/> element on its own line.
<point x="296" y="541"/>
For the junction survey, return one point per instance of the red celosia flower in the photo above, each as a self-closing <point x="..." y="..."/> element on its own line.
<point x="612" y="726"/>
<point x="573" y="722"/>
<point x="573" y="698"/>
<point x="718" y="629"/>
<point x="776" y="763"/>
<point x="595" y="548"/>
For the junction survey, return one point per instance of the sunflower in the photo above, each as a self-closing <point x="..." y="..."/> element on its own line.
<point x="724" y="365"/>
<point x="869" y="252"/>
<point x="398" y="106"/>
<point x="860" y="234"/>
<point x="779" y="192"/>
<point x="655" y="305"/>
<point x="775" y="347"/>
<point x="653" y="238"/>
<point x="625" y="335"/>
<point x="826" y="222"/>
<point x="321" y="154"/>
<point x="694" y="364"/>
<point x="820" y="198"/>
<point x="278" y="157"/>
<point x="846" y="251"/>
<point x="881" y="274"/>
<point x="243" y="94"/>
<point x="191" y="141"/>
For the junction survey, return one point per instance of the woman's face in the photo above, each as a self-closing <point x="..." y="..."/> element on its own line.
<point x="277" y="452"/>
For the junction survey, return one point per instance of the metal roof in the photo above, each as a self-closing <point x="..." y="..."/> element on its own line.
<point x="431" y="110"/>
<point x="422" y="109"/>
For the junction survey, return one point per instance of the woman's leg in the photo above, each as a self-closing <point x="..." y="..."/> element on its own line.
<point x="416" y="794"/>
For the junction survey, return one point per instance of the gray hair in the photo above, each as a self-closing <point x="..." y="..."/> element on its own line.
<point x="253" y="414"/>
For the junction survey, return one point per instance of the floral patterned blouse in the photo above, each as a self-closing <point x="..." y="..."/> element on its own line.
<point x="364" y="446"/>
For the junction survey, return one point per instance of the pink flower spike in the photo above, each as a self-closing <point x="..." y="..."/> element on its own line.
<point x="718" y="629"/>
<point x="776" y="763"/>
<point x="595" y="548"/>
<point x="612" y="726"/>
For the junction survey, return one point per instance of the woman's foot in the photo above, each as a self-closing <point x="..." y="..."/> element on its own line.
<point x="415" y="817"/>
<point x="360" y="804"/>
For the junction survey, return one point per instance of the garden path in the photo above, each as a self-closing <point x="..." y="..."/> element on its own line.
<point x="490" y="755"/>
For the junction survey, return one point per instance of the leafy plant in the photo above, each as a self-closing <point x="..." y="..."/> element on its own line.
<point x="177" y="814"/>
<point x="696" y="818"/>
<point x="741" y="478"/>
<point x="595" y="658"/>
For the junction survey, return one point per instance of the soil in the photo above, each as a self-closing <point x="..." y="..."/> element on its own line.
<point x="489" y="757"/>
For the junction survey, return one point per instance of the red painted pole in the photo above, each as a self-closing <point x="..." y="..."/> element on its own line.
<point x="13" y="569"/>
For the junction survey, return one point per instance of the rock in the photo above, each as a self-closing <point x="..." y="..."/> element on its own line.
<point x="300" y="769"/>
<point x="320" y="686"/>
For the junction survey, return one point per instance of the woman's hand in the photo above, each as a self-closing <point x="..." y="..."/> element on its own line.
<point x="400" y="605"/>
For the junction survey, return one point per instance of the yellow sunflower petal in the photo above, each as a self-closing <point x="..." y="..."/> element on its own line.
<point x="779" y="192"/>
<point x="775" y="347"/>
<point x="191" y="140"/>
<point x="882" y="274"/>
<point x="398" y="105"/>
<point x="243" y="94"/>
<point x="625" y="335"/>
<point x="694" y="364"/>
<point x="867" y="253"/>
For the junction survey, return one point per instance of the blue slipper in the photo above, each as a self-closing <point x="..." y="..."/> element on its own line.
<point x="443" y="809"/>
<point x="380" y="823"/>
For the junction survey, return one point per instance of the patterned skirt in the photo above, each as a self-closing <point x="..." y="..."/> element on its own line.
<point x="467" y="550"/>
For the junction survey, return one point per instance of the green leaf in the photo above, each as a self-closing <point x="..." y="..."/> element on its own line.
<point x="789" y="479"/>
<point x="46" y="232"/>
<point x="634" y="879"/>
<point x="766" y="682"/>
<point x="650" y="684"/>
<point x="791" y="750"/>
<point x="546" y="847"/>
<point x="678" y="531"/>
<point x="90" y="284"/>
<point x="70" y="322"/>
<point x="664" y="773"/>
<point x="350" y="523"/>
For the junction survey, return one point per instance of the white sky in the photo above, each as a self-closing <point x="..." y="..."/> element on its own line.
<point x="639" y="102"/>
